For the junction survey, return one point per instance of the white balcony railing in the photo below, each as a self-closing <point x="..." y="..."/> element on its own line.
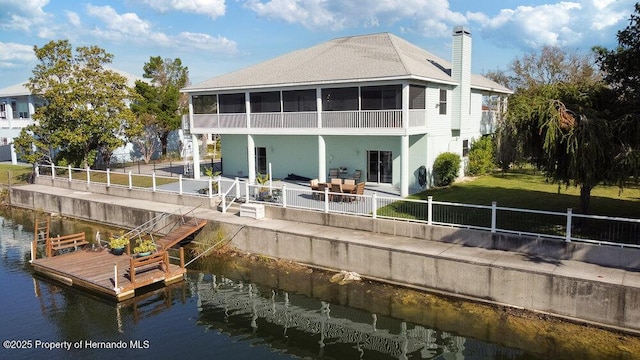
<point x="15" y="123"/>
<point x="304" y="120"/>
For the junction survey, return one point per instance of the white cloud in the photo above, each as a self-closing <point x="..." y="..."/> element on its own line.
<point x="12" y="54"/>
<point x="429" y="17"/>
<point x="22" y="14"/>
<point x="211" y="8"/>
<point x="73" y="18"/>
<point x="129" y="27"/>
<point x="565" y="23"/>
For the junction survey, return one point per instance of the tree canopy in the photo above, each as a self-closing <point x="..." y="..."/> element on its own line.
<point x="161" y="105"/>
<point x="85" y="110"/>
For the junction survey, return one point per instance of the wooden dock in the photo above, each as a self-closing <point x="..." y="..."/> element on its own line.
<point x="100" y="271"/>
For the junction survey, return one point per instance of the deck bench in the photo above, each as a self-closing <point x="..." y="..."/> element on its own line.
<point x="139" y="265"/>
<point x="56" y="244"/>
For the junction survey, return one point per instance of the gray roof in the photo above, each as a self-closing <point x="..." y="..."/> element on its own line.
<point x="356" y="58"/>
<point x="22" y="90"/>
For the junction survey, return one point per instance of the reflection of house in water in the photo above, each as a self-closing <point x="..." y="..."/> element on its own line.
<point x="233" y="307"/>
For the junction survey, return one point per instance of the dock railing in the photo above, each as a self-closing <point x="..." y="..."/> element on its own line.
<point x="565" y="226"/>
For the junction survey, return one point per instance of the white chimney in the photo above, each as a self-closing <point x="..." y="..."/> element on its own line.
<point x="461" y="74"/>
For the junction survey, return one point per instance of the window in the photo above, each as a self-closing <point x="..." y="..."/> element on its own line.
<point x="232" y="104"/>
<point x="299" y="100"/>
<point x="465" y="148"/>
<point x="442" y="104"/>
<point x="381" y="97"/>
<point x="340" y="99"/>
<point x="416" y="97"/>
<point x="265" y="102"/>
<point x="205" y="104"/>
<point x="23" y="110"/>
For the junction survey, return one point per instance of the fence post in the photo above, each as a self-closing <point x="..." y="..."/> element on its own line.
<point x="69" y="169"/>
<point x="284" y="196"/>
<point x="224" y="204"/>
<point x="53" y="171"/>
<point x="246" y="192"/>
<point x="374" y="205"/>
<point x="37" y="170"/>
<point x="130" y="180"/>
<point x="326" y="200"/>
<point x="115" y="277"/>
<point x="180" y="183"/>
<point x="153" y="181"/>
<point x="237" y="185"/>
<point x="219" y="180"/>
<point x="429" y="210"/>
<point x="569" y="213"/>
<point x="494" y="213"/>
<point x="108" y="177"/>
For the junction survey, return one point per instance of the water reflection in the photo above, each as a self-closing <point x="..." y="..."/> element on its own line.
<point x="233" y="306"/>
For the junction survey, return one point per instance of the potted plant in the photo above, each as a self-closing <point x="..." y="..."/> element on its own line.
<point x="214" y="184"/>
<point x="144" y="247"/>
<point x="118" y="243"/>
<point x="262" y="179"/>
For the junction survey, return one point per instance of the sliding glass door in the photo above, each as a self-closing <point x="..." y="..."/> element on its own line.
<point x="380" y="166"/>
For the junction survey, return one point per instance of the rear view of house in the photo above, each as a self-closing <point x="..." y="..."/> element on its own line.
<point x="373" y="103"/>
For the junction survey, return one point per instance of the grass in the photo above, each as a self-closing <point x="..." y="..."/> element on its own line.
<point x="531" y="191"/>
<point x="14" y="174"/>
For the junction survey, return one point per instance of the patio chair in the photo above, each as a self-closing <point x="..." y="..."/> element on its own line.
<point x="357" y="175"/>
<point x="337" y="181"/>
<point x="333" y="173"/>
<point x="359" y="191"/>
<point x="336" y="192"/>
<point x="349" y="182"/>
<point x="320" y="193"/>
<point x="313" y="184"/>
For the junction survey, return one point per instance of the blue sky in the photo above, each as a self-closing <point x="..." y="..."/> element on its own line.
<point x="213" y="37"/>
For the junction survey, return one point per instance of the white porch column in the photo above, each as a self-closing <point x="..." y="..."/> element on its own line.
<point x="404" y="165"/>
<point x="196" y="156"/>
<point x="322" y="159"/>
<point x="251" y="158"/>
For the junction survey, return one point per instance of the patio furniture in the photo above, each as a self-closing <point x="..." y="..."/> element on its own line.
<point x="336" y="192"/>
<point x="333" y="173"/>
<point x="349" y="182"/>
<point x="337" y="181"/>
<point x="313" y="183"/>
<point x="357" y="175"/>
<point x="320" y="193"/>
<point x="357" y="190"/>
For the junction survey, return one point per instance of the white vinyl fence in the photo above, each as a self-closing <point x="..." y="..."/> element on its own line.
<point x="566" y="226"/>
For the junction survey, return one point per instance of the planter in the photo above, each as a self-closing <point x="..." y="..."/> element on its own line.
<point x="143" y="254"/>
<point x="117" y="251"/>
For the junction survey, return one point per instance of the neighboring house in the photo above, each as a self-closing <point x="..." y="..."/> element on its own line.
<point x="17" y="105"/>
<point x="374" y="103"/>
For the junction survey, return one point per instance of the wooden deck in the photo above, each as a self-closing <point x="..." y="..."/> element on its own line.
<point x="111" y="275"/>
<point x="95" y="270"/>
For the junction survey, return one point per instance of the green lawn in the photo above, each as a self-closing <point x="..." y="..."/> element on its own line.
<point x="14" y="174"/>
<point x="531" y="191"/>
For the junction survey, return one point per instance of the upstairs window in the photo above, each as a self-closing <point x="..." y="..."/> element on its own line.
<point x="232" y="104"/>
<point x="340" y="99"/>
<point x="299" y="100"/>
<point x="381" y="97"/>
<point x="417" y="97"/>
<point x="205" y="104"/>
<point x="263" y="102"/>
<point x="442" y="104"/>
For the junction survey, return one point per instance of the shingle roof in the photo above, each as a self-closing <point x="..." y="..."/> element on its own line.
<point x="366" y="57"/>
<point x="22" y="90"/>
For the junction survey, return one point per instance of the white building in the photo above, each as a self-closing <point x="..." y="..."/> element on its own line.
<point x="374" y="103"/>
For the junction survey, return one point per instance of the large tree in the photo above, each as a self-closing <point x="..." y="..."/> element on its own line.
<point x="558" y="118"/>
<point x="85" y="107"/>
<point x="621" y="68"/>
<point x="161" y="104"/>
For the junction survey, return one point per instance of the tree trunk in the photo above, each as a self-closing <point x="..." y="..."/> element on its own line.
<point x="585" y="197"/>
<point x="164" y="139"/>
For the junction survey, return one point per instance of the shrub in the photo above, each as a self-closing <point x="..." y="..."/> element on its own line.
<point x="445" y="168"/>
<point x="481" y="157"/>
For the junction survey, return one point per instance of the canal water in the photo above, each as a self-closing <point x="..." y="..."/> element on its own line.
<point x="249" y="307"/>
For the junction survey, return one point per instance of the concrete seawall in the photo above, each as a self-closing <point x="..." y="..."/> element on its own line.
<point x="584" y="282"/>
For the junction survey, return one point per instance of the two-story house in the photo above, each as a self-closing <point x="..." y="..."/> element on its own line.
<point x="374" y="103"/>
